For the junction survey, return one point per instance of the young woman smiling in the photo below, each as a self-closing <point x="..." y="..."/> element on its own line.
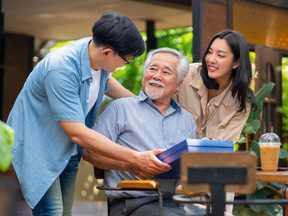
<point x="217" y="92"/>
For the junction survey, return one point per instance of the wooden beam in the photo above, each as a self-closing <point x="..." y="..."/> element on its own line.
<point x="18" y="62"/>
<point x="150" y="31"/>
<point x="283" y="4"/>
<point x="197" y="42"/>
<point x="209" y="17"/>
<point x="184" y="4"/>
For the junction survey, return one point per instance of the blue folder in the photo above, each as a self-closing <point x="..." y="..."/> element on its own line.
<point x="172" y="155"/>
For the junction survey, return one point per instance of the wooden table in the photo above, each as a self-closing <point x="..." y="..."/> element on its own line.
<point x="280" y="176"/>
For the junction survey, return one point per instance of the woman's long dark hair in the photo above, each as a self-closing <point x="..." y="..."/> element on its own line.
<point x="241" y="75"/>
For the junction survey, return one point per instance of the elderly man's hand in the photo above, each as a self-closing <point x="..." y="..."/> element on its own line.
<point x="148" y="165"/>
<point x="139" y="173"/>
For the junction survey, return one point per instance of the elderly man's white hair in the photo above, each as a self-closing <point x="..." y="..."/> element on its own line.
<point x="183" y="64"/>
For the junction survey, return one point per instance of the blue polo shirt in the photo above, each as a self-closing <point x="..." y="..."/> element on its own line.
<point x="56" y="90"/>
<point x="136" y="123"/>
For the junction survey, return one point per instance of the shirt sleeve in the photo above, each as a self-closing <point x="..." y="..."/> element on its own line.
<point x="189" y="126"/>
<point x="193" y="131"/>
<point x="109" y="123"/>
<point x="62" y="90"/>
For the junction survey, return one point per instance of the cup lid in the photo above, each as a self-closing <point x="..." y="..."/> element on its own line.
<point x="269" y="139"/>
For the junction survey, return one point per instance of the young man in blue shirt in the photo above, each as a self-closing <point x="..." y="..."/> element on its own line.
<point x="151" y="120"/>
<point x="57" y="107"/>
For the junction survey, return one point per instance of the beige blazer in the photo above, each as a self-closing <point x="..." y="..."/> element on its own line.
<point x="216" y="119"/>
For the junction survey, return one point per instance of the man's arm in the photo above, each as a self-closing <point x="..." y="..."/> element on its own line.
<point x="105" y="163"/>
<point x="95" y="142"/>
<point x="111" y="124"/>
<point x="62" y="89"/>
<point x="116" y="90"/>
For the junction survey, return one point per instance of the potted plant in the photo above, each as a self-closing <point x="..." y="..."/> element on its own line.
<point x="264" y="190"/>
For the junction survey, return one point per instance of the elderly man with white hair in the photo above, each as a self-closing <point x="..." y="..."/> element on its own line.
<point x="151" y="120"/>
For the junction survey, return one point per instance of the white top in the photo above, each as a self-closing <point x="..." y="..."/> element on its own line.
<point x="93" y="94"/>
<point x="94" y="88"/>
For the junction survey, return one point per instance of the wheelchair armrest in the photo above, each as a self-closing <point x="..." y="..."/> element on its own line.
<point x="133" y="185"/>
<point x="138" y="184"/>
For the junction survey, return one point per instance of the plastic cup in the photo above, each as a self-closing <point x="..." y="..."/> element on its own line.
<point x="269" y="144"/>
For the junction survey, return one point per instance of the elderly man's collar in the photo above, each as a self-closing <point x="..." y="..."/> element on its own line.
<point x="143" y="97"/>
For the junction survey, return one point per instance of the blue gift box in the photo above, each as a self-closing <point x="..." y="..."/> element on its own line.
<point x="172" y="155"/>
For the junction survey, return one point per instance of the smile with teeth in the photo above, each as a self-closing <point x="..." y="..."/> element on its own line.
<point x="212" y="68"/>
<point x="156" y="84"/>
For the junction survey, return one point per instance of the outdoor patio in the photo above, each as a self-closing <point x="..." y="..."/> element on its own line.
<point x="29" y="31"/>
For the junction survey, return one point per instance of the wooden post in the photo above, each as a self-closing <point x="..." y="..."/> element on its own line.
<point x="247" y="138"/>
<point x="150" y="31"/>
<point x="18" y="61"/>
<point x="268" y="61"/>
<point x="209" y="17"/>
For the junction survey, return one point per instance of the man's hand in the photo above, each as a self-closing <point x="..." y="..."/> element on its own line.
<point x="139" y="173"/>
<point x="147" y="164"/>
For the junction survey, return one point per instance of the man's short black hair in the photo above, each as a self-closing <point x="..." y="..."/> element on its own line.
<point x="119" y="33"/>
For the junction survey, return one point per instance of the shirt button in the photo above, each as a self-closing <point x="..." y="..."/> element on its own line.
<point x="66" y="161"/>
<point x="53" y="179"/>
<point x="87" y="101"/>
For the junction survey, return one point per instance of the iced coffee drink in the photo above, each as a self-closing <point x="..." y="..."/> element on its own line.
<point x="269" y="144"/>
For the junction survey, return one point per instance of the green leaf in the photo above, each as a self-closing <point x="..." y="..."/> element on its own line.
<point x="255" y="147"/>
<point x="261" y="185"/>
<point x="6" y="141"/>
<point x="236" y="147"/>
<point x="256" y="124"/>
<point x="246" y="211"/>
<point x="271" y="189"/>
<point x="282" y="110"/>
<point x="248" y="129"/>
<point x="5" y="155"/>
<point x="252" y="127"/>
<point x="283" y="153"/>
<point x="276" y="185"/>
<point x="259" y="194"/>
<point x="260" y="96"/>
<point x="242" y="139"/>
<point x="265" y="190"/>
<point x="273" y="210"/>
<point x="264" y="92"/>
<point x="7" y="133"/>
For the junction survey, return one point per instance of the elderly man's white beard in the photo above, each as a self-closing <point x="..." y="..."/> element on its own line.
<point x="152" y="92"/>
